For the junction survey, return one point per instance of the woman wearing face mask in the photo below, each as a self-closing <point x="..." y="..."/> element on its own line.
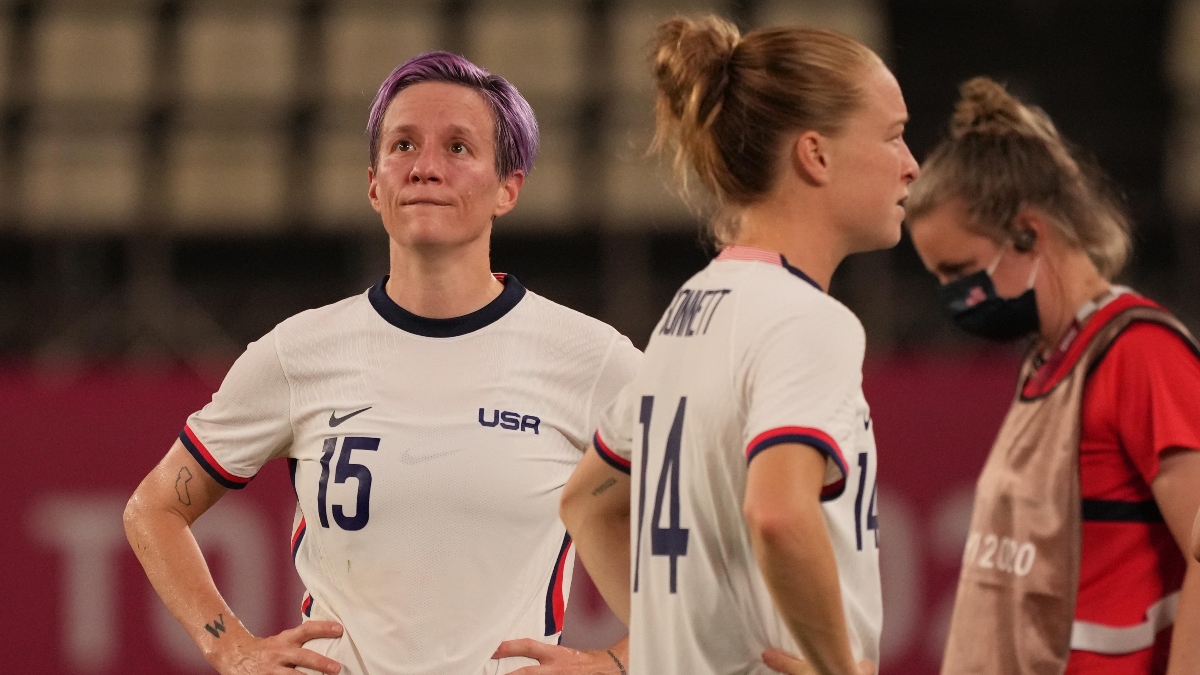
<point x="1074" y="560"/>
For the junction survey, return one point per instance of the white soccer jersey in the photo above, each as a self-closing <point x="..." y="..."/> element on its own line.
<point x="428" y="458"/>
<point x="750" y="354"/>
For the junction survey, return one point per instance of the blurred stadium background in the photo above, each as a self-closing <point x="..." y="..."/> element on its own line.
<point x="176" y="177"/>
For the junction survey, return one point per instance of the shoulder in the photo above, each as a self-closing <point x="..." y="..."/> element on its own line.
<point x="791" y="306"/>
<point x="573" y="329"/>
<point x="1150" y="346"/>
<point x="322" y="324"/>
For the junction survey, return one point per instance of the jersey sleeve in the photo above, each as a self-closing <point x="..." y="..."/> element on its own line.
<point x="613" y="439"/>
<point x="1156" y="378"/>
<point x="803" y="376"/>
<point x="248" y="421"/>
<point x="619" y="368"/>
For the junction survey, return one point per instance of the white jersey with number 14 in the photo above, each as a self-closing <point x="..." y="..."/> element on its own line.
<point x="749" y="355"/>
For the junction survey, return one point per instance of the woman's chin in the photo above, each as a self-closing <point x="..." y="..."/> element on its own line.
<point x="433" y="234"/>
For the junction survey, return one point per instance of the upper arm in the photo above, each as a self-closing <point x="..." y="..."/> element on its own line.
<point x="595" y="487"/>
<point x="248" y="421"/>
<point x="1156" y="377"/>
<point x="619" y="368"/>
<point x="1196" y="538"/>
<point x="1177" y="491"/>
<point x="178" y="484"/>
<point x="780" y="482"/>
<point x="613" y="440"/>
<point x="601" y="479"/>
<point x="802" y="382"/>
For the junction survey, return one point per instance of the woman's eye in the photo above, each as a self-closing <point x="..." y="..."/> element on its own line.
<point x="404" y="146"/>
<point x="458" y="148"/>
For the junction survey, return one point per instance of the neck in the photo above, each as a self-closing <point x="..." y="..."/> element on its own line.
<point x="806" y="239"/>
<point x="1071" y="282"/>
<point x="442" y="283"/>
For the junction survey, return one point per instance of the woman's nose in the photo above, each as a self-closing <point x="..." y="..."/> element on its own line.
<point x="426" y="169"/>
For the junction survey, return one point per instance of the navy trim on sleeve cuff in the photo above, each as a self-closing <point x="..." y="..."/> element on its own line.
<point x="613" y="459"/>
<point x="200" y="453"/>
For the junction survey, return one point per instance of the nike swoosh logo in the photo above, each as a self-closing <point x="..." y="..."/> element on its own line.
<point x="334" y="420"/>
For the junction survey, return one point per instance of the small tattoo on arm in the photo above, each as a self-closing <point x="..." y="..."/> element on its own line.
<point x="217" y="626"/>
<point x="181" y="487"/>
<point x="603" y="487"/>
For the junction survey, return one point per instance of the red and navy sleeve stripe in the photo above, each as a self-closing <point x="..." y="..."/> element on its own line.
<point x="814" y="438"/>
<point x="298" y="537"/>
<point x="306" y="606"/>
<point x="556" y="599"/>
<point x="206" y="460"/>
<point x="614" y="460"/>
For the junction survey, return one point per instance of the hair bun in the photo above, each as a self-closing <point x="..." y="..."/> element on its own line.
<point x="691" y="59"/>
<point x="986" y="108"/>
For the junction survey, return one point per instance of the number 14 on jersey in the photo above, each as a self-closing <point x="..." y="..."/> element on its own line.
<point x="671" y="541"/>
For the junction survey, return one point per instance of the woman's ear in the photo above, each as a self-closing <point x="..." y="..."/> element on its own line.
<point x="372" y="193"/>
<point x="810" y="157"/>
<point x="509" y="189"/>
<point x="1030" y="229"/>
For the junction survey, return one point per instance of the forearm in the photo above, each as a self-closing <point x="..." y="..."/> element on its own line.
<point x="602" y="543"/>
<point x="158" y="522"/>
<point x="171" y="558"/>
<point x="595" y="509"/>
<point x="1185" y="638"/>
<point x="797" y="561"/>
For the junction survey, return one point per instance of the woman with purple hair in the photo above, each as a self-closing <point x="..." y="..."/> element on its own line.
<point x="429" y="425"/>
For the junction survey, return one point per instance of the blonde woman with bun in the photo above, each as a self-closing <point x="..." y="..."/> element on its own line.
<point x="1074" y="562"/>
<point x="726" y="509"/>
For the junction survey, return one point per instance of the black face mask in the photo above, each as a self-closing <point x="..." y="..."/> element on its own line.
<point x="973" y="304"/>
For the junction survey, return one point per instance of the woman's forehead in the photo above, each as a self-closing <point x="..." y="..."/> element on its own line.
<point x="945" y="232"/>
<point x="434" y="107"/>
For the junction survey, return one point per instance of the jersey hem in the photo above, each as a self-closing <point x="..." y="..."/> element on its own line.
<point x="611" y="458"/>
<point x="205" y="459"/>
<point x="814" y="438"/>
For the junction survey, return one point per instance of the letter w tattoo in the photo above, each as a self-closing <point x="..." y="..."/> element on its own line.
<point x="217" y="626"/>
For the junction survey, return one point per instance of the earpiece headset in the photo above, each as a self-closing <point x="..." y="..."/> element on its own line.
<point x="1023" y="240"/>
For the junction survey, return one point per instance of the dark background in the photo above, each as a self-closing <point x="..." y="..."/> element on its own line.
<point x="160" y="283"/>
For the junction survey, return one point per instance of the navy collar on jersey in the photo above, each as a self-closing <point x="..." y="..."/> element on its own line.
<point x="443" y="328"/>
<point x="799" y="272"/>
<point x="762" y="255"/>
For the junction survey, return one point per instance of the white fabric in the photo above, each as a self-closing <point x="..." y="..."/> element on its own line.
<point x="463" y="534"/>
<point x="1096" y="637"/>
<point x="762" y="357"/>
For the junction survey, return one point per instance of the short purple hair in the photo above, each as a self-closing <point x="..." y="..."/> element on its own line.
<point x="516" y="126"/>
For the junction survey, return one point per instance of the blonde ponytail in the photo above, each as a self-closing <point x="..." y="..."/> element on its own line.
<point x="726" y="100"/>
